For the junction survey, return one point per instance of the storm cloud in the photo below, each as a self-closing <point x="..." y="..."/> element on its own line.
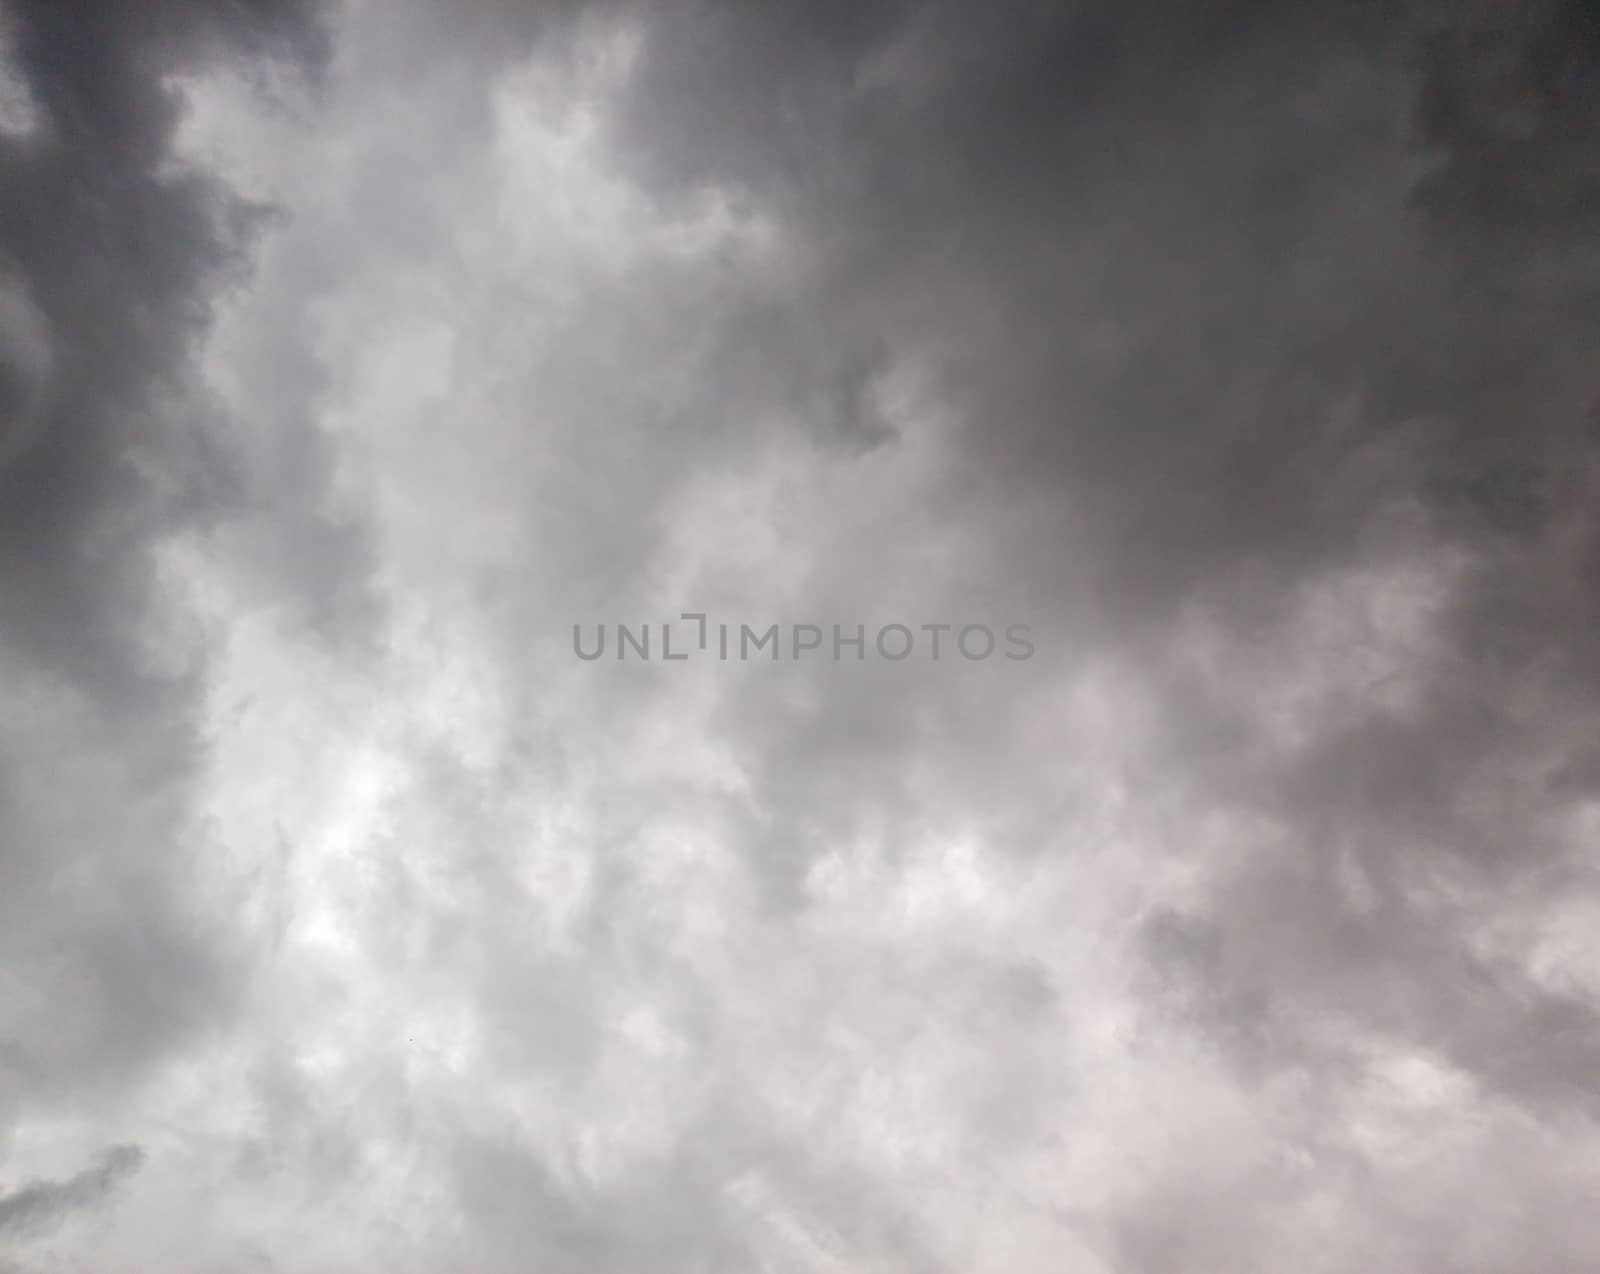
<point x="1248" y="354"/>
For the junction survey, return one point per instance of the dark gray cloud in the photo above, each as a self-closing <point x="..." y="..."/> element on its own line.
<point x="1242" y="300"/>
<point x="1241" y="308"/>
<point x="1246" y="351"/>
<point x="41" y="1205"/>
<point x="112" y="256"/>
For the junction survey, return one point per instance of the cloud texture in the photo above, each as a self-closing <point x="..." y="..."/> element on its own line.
<point x="349" y="357"/>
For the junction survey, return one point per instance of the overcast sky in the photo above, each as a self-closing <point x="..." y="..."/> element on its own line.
<point x="1246" y="353"/>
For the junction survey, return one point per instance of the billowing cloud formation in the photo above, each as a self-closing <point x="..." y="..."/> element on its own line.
<point x="1246" y="353"/>
<point x="112" y="256"/>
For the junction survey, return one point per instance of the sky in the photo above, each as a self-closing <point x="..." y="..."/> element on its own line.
<point x="1232" y="367"/>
